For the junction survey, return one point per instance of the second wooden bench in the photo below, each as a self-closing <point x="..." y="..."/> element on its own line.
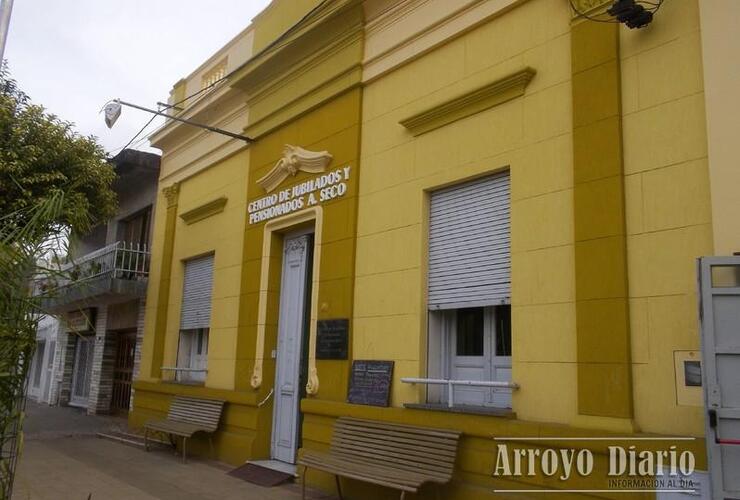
<point x="403" y="457"/>
<point x="185" y="417"/>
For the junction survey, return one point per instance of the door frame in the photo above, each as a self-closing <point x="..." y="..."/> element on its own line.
<point x="301" y="372"/>
<point x="717" y="411"/>
<point x="120" y="334"/>
<point x="90" y="341"/>
<point x="38" y="364"/>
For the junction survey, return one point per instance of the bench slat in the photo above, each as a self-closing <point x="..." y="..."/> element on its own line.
<point x="400" y="438"/>
<point x="381" y="475"/>
<point x="403" y="459"/>
<point x="396" y="455"/>
<point x="407" y="473"/>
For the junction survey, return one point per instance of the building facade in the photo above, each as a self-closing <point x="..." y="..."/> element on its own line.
<point x="496" y="191"/>
<point x="98" y="297"/>
<point x="41" y="377"/>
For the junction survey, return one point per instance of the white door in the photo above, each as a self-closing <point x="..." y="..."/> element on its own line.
<point x="479" y="352"/>
<point x="82" y="370"/>
<point x="719" y="281"/>
<point x="49" y="372"/>
<point x="37" y="368"/>
<point x="291" y="325"/>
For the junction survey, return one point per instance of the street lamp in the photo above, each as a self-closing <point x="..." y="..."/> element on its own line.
<point x="112" y="111"/>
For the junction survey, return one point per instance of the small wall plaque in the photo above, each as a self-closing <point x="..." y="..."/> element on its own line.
<point x="370" y="382"/>
<point x="332" y="338"/>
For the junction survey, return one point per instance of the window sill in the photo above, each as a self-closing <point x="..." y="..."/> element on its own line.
<point x="466" y="409"/>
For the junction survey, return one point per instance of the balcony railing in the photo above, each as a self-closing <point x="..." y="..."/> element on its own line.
<point x="119" y="260"/>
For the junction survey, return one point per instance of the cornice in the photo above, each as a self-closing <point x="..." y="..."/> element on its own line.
<point x="173" y="147"/>
<point x="305" y="102"/>
<point x="196" y="109"/>
<point x="458" y="21"/>
<point x="204" y="211"/>
<point x="393" y="15"/>
<point x="469" y="103"/>
<point x="314" y="25"/>
<point x="271" y="83"/>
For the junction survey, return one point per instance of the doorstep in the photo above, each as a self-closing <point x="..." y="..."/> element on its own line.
<point x="276" y="465"/>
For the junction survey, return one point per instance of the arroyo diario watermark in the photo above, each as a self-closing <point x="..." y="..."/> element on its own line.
<point x="629" y="468"/>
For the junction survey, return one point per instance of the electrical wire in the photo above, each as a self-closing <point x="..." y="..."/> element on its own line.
<point x="655" y="5"/>
<point x="211" y="86"/>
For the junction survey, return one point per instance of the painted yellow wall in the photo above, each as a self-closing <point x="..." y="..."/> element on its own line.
<point x="334" y="128"/>
<point x="378" y="279"/>
<point x="532" y="136"/>
<point x="720" y="43"/>
<point x="277" y="18"/>
<point x="668" y="207"/>
<point x="221" y="234"/>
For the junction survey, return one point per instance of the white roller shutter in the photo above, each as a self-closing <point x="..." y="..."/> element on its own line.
<point x="196" y="293"/>
<point x="469" y="244"/>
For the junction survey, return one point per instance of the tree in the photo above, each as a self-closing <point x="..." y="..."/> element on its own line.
<point x="41" y="155"/>
<point x="52" y="181"/>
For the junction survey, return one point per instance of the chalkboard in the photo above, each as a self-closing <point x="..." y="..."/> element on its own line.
<point x="370" y="382"/>
<point x="332" y="339"/>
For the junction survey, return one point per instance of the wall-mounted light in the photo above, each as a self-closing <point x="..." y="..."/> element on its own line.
<point x="633" y="13"/>
<point x="112" y="111"/>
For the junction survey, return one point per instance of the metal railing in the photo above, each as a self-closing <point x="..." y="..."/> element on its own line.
<point x="179" y="371"/>
<point x="121" y="260"/>
<point x="450" y="383"/>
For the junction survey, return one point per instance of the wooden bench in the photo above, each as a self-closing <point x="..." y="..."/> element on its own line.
<point x="185" y="417"/>
<point x="402" y="457"/>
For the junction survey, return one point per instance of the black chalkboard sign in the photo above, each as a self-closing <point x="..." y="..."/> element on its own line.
<point x="332" y="338"/>
<point x="370" y="382"/>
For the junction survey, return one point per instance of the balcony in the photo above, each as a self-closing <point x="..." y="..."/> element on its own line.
<point x="115" y="273"/>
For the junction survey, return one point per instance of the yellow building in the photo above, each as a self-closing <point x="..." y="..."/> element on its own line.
<point x="483" y="190"/>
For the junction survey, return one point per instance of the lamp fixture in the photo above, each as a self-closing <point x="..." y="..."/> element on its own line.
<point x="633" y="13"/>
<point x="112" y="110"/>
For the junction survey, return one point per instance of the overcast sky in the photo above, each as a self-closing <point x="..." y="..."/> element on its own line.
<point x="72" y="56"/>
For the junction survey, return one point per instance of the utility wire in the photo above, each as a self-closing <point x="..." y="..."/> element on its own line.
<point x="655" y="7"/>
<point x="271" y="45"/>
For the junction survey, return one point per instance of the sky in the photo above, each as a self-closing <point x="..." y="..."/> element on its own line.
<point x="74" y="56"/>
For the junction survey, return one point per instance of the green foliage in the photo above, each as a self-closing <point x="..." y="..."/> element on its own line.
<point x="52" y="180"/>
<point x="41" y="155"/>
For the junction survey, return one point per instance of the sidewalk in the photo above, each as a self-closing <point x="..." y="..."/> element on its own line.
<point x="62" y="459"/>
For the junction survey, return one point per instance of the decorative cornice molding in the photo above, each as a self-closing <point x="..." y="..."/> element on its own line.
<point x="393" y="15"/>
<point x="205" y="210"/>
<point x="295" y="159"/>
<point x="470" y="103"/>
<point x="422" y="36"/>
<point x="172" y="192"/>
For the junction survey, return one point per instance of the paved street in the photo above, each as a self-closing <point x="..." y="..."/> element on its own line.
<point x="63" y="459"/>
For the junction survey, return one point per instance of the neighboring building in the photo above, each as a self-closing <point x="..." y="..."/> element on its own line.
<point x="487" y="190"/>
<point x="41" y="377"/>
<point x="100" y="294"/>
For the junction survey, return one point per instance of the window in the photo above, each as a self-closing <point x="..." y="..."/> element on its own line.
<point x="135" y="229"/>
<point x="469" y="332"/>
<point x="213" y="75"/>
<point x="193" y="354"/>
<point x="195" y="319"/>
<point x="470" y="289"/>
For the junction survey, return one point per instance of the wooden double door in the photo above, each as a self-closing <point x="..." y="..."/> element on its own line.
<point x="123" y="370"/>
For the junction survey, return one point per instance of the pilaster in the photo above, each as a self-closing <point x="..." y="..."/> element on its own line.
<point x="172" y="194"/>
<point x="602" y="310"/>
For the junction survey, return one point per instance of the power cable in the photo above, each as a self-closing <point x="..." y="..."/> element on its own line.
<point x="271" y="45"/>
